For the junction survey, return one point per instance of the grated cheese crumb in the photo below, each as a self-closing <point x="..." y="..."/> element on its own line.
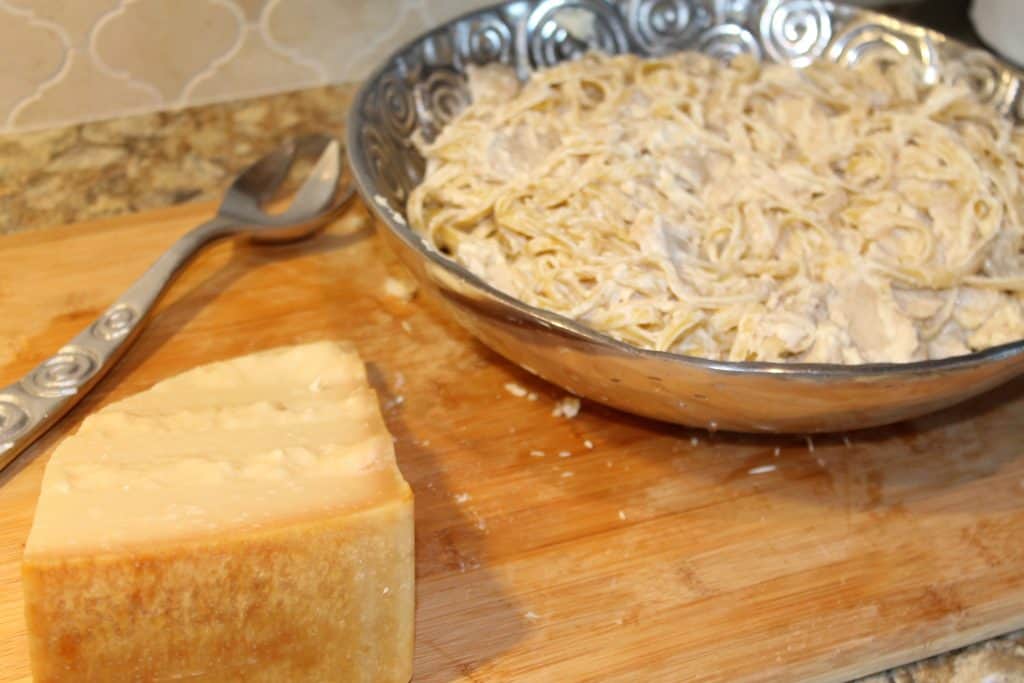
<point x="566" y="475"/>
<point x="587" y="443"/>
<point x="407" y="326"/>
<point x="564" y="454"/>
<point x="532" y="616"/>
<point x="461" y="498"/>
<point x="810" y="444"/>
<point x="777" y="451"/>
<point x="622" y="514"/>
<point x="568" y="407"/>
<point x="694" y="441"/>
<point x="764" y="469"/>
<point x="846" y="441"/>
<point x="537" y="454"/>
<point x="515" y="389"/>
<point x="399" y="289"/>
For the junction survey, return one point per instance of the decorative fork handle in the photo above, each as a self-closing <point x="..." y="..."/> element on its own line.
<point x="31" y="405"/>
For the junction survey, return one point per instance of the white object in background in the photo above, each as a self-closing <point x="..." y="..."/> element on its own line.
<point x="1000" y="23"/>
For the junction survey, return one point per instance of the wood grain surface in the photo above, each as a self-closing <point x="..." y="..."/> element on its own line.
<point x="600" y="548"/>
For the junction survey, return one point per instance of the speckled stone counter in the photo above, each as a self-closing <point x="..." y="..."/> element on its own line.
<point x="133" y="164"/>
<point x="110" y="168"/>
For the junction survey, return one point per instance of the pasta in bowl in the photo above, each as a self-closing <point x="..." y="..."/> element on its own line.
<point x="739" y="212"/>
<point x="695" y="240"/>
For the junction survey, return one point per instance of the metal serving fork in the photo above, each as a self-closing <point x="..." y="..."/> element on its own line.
<point x="31" y="405"/>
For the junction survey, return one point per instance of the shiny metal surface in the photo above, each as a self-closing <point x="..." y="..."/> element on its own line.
<point x="31" y="405"/>
<point x="422" y="86"/>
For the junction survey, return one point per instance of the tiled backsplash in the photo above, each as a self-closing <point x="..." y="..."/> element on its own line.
<point x="67" y="61"/>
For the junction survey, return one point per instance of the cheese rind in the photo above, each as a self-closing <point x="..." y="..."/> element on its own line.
<point x="243" y="521"/>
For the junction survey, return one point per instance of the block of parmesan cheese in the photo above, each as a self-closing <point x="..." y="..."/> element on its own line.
<point x="243" y="521"/>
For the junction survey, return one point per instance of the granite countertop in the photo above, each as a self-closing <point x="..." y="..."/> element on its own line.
<point x="110" y="168"/>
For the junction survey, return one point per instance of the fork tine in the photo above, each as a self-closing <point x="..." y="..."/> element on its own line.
<point x="262" y="180"/>
<point x="321" y="186"/>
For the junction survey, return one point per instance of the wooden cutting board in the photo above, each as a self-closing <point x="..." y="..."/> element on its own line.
<point x="600" y="548"/>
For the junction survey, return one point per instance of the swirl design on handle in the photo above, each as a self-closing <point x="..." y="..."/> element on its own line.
<point x="795" y="31"/>
<point x="115" y="323"/>
<point x="558" y="30"/>
<point x="62" y="374"/>
<point x="13" y="420"/>
<point x="661" y="26"/>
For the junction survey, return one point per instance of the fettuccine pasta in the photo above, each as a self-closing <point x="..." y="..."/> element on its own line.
<point x="740" y="212"/>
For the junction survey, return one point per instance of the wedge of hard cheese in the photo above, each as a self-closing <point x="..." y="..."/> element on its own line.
<point x="242" y="521"/>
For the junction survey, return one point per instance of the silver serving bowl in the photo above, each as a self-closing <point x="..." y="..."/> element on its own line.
<point x="422" y="86"/>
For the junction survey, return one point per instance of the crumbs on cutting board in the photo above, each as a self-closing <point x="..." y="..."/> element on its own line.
<point x="461" y="498"/>
<point x="568" y="407"/>
<point x="399" y="289"/>
<point x="588" y="444"/>
<point x="537" y="454"/>
<point x="763" y="469"/>
<point x="519" y="391"/>
<point x="516" y="390"/>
